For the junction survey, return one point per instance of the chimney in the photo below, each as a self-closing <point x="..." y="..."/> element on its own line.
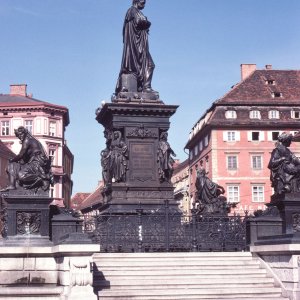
<point x="18" y="89"/>
<point x="268" y="67"/>
<point x="247" y="70"/>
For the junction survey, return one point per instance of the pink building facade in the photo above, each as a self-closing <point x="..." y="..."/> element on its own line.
<point x="234" y="139"/>
<point x="47" y="122"/>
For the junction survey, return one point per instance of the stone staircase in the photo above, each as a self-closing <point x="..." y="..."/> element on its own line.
<point x="182" y="276"/>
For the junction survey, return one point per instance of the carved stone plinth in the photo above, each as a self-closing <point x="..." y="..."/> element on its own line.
<point x="139" y="128"/>
<point x="27" y="218"/>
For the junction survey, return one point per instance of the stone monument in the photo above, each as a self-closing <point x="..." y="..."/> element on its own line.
<point x="27" y="195"/>
<point x="137" y="161"/>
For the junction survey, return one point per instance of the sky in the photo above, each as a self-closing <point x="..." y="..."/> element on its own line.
<point x="69" y="52"/>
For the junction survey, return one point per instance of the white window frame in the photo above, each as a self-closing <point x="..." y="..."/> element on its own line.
<point x="206" y="141"/>
<point x="231" y="136"/>
<point x="232" y="162"/>
<point x="295" y="114"/>
<point x="258" y="193"/>
<point x="257" y="162"/>
<point x="230" y="114"/>
<point x="255" y="114"/>
<point x="52" y="154"/>
<point x="274" y="114"/>
<point x="233" y="193"/>
<point x="52" y="128"/>
<point x="28" y="124"/>
<point x="5" y="128"/>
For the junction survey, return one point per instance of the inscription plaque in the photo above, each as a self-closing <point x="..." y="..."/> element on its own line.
<point x="142" y="161"/>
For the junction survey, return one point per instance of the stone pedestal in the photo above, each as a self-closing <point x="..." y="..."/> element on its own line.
<point x="27" y="218"/>
<point x="141" y="124"/>
<point x="288" y="206"/>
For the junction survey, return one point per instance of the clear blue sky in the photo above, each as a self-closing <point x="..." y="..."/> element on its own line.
<point x="69" y="53"/>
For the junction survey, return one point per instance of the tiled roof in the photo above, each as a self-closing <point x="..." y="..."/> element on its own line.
<point x="261" y="85"/>
<point x="12" y="102"/>
<point x="78" y="198"/>
<point x="94" y="198"/>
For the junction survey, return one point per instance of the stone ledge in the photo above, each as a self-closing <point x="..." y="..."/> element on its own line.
<point x="70" y="249"/>
<point x="276" y="249"/>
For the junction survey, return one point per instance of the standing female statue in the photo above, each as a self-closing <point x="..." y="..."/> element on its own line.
<point x="119" y="158"/>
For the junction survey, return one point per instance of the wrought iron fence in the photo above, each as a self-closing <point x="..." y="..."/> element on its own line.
<point x="167" y="230"/>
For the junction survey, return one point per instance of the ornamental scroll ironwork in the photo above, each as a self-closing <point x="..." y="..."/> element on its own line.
<point x="142" y="132"/>
<point x="166" y="229"/>
<point x="28" y="222"/>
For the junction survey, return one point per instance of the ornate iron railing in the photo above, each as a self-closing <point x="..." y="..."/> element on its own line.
<point x="167" y="230"/>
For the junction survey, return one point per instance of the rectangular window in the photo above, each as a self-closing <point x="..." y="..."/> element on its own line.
<point x="230" y="114"/>
<point x="232" y="162"/>
<point x="5" y="128"/>
<point x="233" y="193"/>
<point x="273" y="114"/>
<point x="255" y="114"/>
<point x="206" y="141"/>
<point x="28" y="124"/>
<point x="258" y="193"/>
<point x="275" y="135"/>
<point x="231" y="136"/>
<point x="52" y="128"/>
<point x="255" y="136"/>
<point x="196" y="150"/>
<point x="295" y="114"/>
<point x="52" y="156"/>
<point x="257" y="162"/>
<point x="200" y="146"/>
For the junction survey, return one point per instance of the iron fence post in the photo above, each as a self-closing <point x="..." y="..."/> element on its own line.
<point x="194" y="236"/>
<point x="140" y="229"/>
<point x="167" y="225"/>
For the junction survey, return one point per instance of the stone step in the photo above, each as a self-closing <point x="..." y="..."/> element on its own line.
<point x="198" y="273"/>
<point x="162" y="264"/>
<point x="31" y="292"/>
<point x="140" y="282"/>
<point x="214" y="267"/>
<point x="184" y="285"/>
<point x="158" y="255"/>
<point x="200" y="293"/>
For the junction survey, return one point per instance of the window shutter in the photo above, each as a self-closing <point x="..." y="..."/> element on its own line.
<point x="261" y="135"/>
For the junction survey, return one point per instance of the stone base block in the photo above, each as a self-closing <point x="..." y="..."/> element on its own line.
<point x="62" y="271"/>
